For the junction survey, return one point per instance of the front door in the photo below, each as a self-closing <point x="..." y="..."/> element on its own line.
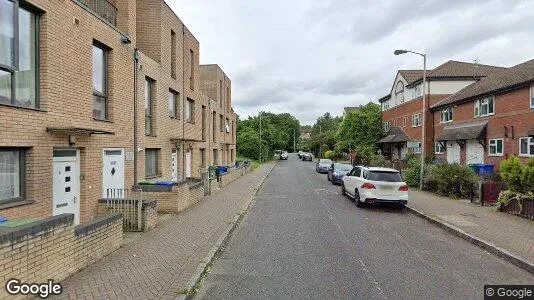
<point x="188" y="164"/>
<point x="474" y="153"/>
<point x="113" y="173"/>
<point x="174" y="165"/>
<point x="453" y="152"/>
<point x="66" y="183"/>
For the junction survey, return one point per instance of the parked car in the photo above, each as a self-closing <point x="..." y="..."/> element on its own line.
<point x="323" y="165"/>
<point x="307" y="157"/>
<point x="375" y="185"/>
<point x="337" y="171"/>
<point x="284" y="155"/>
<point x="300" y="153"/>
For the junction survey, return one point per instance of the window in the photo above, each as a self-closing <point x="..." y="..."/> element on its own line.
<point x="385" y="176"/>
<point x="18" y="55"/>
<point x="484" y="107"/>
<point x="496" y="147"/>
<point x="399" y="92"/>
<point x="192" y="69"/>
<point x="228" y="106"/>
<point x="439" y="148"/>
<point x="221" y="123"/>
<point x="190" y="111"/>
<point x="100" y="101"/>
<point x="202" y="157"/>
<point x="387" y="126"/>
<point x="151" y="162"/>
<point x="532" y="96"/>
<point x="418" y="149"/>
<point x="416" y="120"/>
<point x="12" y="175"/>
<point x="215" y="157"/>
<point x="204" y="122"/>
<point x="214" y="122"/>
<point x="149" y="130"/>
<point x="404" y="122"/>
<point x="220" y="93"/>
<point x="526" y="146"/>
<point x="173" y="104"/>
<point x="416" y="91"/>
<point x="173" y="54"/>
<point x="227" y="125"/>
<point x="446" y="115"/>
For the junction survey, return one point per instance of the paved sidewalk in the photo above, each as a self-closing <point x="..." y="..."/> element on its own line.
<point x="158" y="264"/>
<point x="511" y="233"/>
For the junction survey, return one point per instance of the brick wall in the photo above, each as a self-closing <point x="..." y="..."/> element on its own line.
<point x="511" y="109"/>
<point x="54" y="248"/>
<point x="182" y="196"/>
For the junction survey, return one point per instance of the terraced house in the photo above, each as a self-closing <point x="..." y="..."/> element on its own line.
<point x="402" y="108"/>
<point x="489" y="120"/>
<point x="76" y="76"/>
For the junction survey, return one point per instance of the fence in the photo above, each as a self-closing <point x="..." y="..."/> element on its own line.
<point x="129" y="203"/>
<point x="524" y="209"/>
<point x="103" y="8"/>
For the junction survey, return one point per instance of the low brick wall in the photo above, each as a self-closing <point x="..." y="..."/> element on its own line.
<point x="54" y="248"/>
<point x="227" y="178"/>
<point x="149" y="214"/>
<point x="182" y="195"/>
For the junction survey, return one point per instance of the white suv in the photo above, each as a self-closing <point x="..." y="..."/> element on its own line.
<point x="374" y="185"/>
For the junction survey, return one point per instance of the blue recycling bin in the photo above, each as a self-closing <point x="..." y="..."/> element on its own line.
<point x="165" y="182"/>
<point x="486" y="169"/>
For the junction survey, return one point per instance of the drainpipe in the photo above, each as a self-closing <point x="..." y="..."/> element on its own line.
<point x="136" y="65"/>
<point x="183" y="100"/>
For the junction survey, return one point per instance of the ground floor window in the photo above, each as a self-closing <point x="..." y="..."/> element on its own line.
<point x="12" y="173"/>
<point x="526" y="146"/>
<point x="151" y="162"/>
<point x="496" y="147"/>
<point x="439" y="148"/>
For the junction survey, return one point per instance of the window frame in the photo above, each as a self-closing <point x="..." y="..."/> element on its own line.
<point x="532" y="95"/>
<point x="439" y="148"/>
<point x="418" y="149"/>
<point x="149" y="82"/>
<point x="387" y="126"/>
<point x="221" y="123"/>
<point x="530" y="141"/>
<point x="22" y="175"/>
<point x="418" y="115"/>
<point x="496" y="145"/>
<point x="175" y="104"/>
<point x="173" y="54"/>
<point x="446" y="115"/>
<point x="479" y="103"/>
<point x="14" y="68"/>
<point x="192" y="69"/>
<point x="157" y="169"/>
<point x="190" y="111"/>
<point x="105" y="95"/>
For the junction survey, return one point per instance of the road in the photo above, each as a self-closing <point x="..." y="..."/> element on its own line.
<point x="302" y="239"/>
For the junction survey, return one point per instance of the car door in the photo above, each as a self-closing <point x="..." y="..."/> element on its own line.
<point x="352" y="180"/>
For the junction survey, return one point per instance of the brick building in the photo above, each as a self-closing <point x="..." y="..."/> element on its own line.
<point x="67" y="90"/>
<point x="402" y="107"/>
<point x="489" y="120"/>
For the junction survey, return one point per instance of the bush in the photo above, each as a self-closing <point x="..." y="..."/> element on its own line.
<point x="377" y="161"/>
<point x="412" y="174"/>
<point x="452" y="180"/>
<point x="329" y="154"/>
<point x="527" y="178"/>
<point x="511" y="173"/>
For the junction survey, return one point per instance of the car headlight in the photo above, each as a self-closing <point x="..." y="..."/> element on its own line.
<point x="335" y="174"/>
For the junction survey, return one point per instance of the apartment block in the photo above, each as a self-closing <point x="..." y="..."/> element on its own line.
<point x="402" y="108"/>
<point x="69" y="73"/>
<point x="489" y="120"/>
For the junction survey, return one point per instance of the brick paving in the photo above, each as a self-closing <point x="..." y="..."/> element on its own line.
<point x="159" y="263"/>
<point x="512" y="233"/>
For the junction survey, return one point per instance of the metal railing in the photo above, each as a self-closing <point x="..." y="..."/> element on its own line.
<point x="103" y="8"/>
<point x="129" y="203"/>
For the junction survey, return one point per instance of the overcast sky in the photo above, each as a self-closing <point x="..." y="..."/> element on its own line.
<point x="307" y="57"/>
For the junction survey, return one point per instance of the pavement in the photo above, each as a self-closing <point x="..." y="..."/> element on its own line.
<point x="160" y="263"/>
<point x="509" y="236"/>
<point x="301" y="239"/>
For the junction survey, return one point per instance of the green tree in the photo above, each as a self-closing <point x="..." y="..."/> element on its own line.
<point x="361" y="129"/>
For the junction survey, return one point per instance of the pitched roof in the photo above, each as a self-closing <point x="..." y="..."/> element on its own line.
<point x="411" y="75"/>
<point x="498" y="81"/>
<point x="466" y="131"/>
<point x="386" y="97"/>
<point x="395" y="135"/>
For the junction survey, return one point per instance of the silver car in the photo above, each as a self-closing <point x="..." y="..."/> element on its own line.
<point x="323" y="165"/>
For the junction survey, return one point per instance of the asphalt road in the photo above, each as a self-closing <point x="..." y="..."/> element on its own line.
<point x="302" y="239"/>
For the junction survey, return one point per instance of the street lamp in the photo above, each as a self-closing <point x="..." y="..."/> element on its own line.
<point x="399" y="52"/>
<point x="294" y="144"/>
<point x="260" y="138"/>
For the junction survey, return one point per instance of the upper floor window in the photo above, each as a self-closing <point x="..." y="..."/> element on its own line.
<point x="228" y="106"/>
<point x="416" y="91"/>
<point x="399" y="92"/>
<point x="173" y="104"/>
<point x="526" y="146"/>
<point x="446" y="115"/>
<point x="149" y="120"/>
<point x="220" y="93"/>
<point x="100" y="89"/>
<point x="173" y="54"/>
<point x="485" y="107"/>
<point x="532" y="96"/>
<point x="416" y="120"/>
<point x="385" y="105"/>
<point x="404" y="122"/>
<point x="192" y="69"/>
<point x="387" y="126"/>
<point x="18" y="55"/>
<point x="221" y="123"/>
<point x="190" y="111"/>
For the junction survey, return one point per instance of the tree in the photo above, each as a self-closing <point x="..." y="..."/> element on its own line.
<point x="361" y="129"/>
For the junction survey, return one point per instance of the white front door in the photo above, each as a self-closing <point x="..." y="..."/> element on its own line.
<point x="188" y="164"/>
<point x="113" y="174"/>
<point x="174" y="165"/>
<point x="474" y="153"/>
<point x="66" y="183"/>
<point x="453" y="152"/>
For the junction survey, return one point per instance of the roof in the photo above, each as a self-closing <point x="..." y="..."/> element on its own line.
<point x="386" y="97"/>
<point x="496" y="82"/>
<point x="466" y="131"/>
<point x="395" y="135"/>
<point x="411" y="75"/>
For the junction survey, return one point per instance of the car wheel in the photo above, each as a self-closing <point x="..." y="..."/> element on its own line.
<point x="343" y="192"/>
<point x="359" y="203"/>
<point x="328" y="177"/>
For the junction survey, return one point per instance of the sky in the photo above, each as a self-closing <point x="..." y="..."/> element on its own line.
<point x="308" y="57"/>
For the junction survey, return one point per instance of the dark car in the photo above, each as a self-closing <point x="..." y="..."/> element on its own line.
<point x="307" y="157"/>
<point x="323" y="165"/>
<point x="337" y="171"/>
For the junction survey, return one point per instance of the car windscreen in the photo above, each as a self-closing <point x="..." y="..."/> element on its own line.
<point x="386" y="176"/>
<point x="325" y="162"/>
<point x="342" y="167"/>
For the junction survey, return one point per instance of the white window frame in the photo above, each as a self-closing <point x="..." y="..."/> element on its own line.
<point x="532" y="96"/>
<point x="446" y="115"/>
<point x="477" y="110"/>
<point x="495" y="143"/>
<point x="439" y="148"/>
<point x="530" y="141"/>
<point x="418" y="123"/>
<point x="403" y="121"/>
<point x="387" y="126"/>
<point x="417" y="150"/>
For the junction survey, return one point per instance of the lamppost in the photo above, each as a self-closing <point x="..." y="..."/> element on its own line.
<point x="294" y="144"/>
<point x="399" y="52"/>
<point x="260" y="137"/>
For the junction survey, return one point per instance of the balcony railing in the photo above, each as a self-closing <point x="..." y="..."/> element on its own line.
<point x="102" y="8"/>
